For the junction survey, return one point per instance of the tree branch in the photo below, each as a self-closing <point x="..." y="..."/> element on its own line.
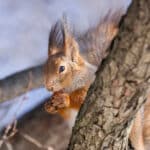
<point x="20" y="83"/>
<point x="120" y="86"/>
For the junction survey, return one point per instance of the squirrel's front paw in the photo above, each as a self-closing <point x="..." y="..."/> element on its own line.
<point x="59" y="100"/>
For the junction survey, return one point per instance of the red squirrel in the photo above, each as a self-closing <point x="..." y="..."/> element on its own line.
<point x="71" y="66"/>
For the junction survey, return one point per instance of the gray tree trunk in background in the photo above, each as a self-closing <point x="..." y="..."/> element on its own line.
<point x="120" y="86"/>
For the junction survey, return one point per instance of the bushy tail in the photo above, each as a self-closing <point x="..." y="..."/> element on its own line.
<point x="94" y="43"/>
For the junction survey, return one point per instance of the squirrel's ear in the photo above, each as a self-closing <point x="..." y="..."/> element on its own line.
<point x="61" y="41"/>
<point x="56" y="38"/>
<point x="72" y="49"/>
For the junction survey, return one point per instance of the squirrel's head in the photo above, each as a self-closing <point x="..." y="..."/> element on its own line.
<point x="64" y="61"/>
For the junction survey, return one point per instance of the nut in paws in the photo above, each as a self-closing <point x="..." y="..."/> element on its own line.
<point x="58" y="101"/>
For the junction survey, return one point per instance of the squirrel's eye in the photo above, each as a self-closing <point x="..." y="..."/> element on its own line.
<point x="61" y="69"/>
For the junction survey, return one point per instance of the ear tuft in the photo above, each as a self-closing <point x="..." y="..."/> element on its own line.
<point x="57" y="37"/>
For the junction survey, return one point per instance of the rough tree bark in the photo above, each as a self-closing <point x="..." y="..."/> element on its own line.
<point x="120" y="87"/>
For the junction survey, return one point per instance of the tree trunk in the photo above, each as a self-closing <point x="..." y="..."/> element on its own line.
<point x="120" y="87"/>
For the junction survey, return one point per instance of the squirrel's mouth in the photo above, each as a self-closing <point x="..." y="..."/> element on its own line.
<point x="52" y="89"/>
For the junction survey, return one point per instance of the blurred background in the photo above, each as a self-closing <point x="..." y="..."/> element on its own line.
<point x="24" y="31"/>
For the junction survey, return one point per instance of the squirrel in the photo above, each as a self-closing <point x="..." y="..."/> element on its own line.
<point x="71" y="67"/>
<point x="69" y="71"/>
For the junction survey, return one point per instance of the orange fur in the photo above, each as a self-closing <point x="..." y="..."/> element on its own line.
<point x="62" y="102"/>
<point x="136" y="134"/>
<point x="77" y="97"/>
<point x="146" y="122"/>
